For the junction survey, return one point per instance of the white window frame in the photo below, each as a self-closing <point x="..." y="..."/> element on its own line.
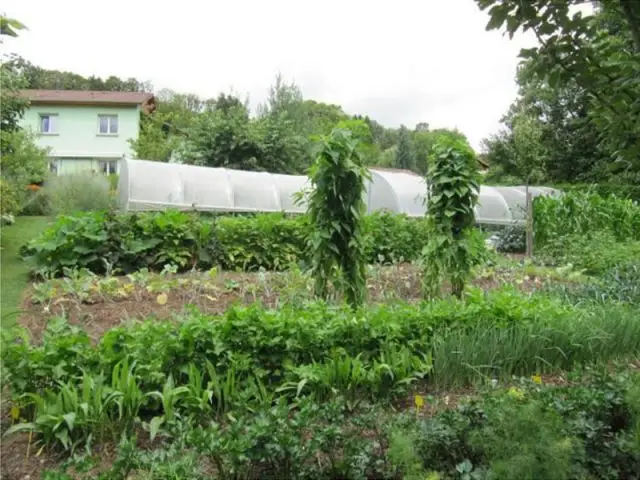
<point x="53" y="125"/>
<point x="109" y="162"/>
<point x="109" y="116"/>
<point x="54" y="162"/>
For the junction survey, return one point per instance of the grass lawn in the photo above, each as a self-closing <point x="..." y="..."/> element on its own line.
<point x="14" y="270"/>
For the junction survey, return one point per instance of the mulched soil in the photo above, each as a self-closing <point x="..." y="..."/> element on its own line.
<point x="100" y="313"/>
<point x="18" y="463"/>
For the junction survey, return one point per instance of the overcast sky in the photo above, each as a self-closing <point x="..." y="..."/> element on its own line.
<point x="399" y="62"/>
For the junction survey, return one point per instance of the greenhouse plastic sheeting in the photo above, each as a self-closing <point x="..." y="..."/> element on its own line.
<point x="147" y="185"/>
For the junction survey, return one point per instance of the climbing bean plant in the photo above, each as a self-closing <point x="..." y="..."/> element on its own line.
<point x="453" y="181"/>
<point x="336" y="211"/>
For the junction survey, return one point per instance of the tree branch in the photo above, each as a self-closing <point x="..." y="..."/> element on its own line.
<point x="562" y="65"/>
<point x="632" y="16"/>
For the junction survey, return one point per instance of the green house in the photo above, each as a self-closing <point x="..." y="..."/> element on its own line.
<point x="85" y="130"/>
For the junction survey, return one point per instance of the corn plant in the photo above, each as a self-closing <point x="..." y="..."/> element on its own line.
<point x="69" y="415"/>
<point x="336" y="210"/>
<point x="170" y="397"/>
<point x="453" y="182"/>
<point x="129" y="397"/>
<point x="199" y="395"/>
<point x="224" y="388"/>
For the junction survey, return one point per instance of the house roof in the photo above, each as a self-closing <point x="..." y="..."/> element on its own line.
<point x="89" y="97"/>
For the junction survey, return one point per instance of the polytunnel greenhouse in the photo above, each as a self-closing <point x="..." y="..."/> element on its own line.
<point x="148" y="185"/>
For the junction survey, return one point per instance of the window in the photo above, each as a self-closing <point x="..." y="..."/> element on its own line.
<point x="109" y="167"/>
<point x="107" y="124"/>
<point x="48" y="124"/>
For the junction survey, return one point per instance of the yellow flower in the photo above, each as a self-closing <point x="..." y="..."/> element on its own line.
<point x="162" y="299"/>
<point x="537" y="379"/>
<point x="15" y="413"/>
<point x="419" y="401"/>
<point x="516" y="393"/>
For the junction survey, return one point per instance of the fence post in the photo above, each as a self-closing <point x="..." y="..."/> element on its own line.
<point x="529" y="208"/>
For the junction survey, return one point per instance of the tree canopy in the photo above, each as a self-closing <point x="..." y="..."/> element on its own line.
<point x="222" y="131"/>
<point x="579" y="102"/>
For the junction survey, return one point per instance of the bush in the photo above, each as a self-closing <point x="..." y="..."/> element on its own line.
<point x="106" y="241"/>
<point x="131" y="241"/>
<point x="38" y="204"/>
<point x="22" y="162"/>
<point x="9" y="198"/>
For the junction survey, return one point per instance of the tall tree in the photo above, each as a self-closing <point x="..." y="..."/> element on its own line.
<point x="157" y="139"/>
<point x="13" y="106"/>
<point x="424" y="140"/>
<point x="405" y="155"/>
<point x="21" y="160"/>
<point x="567" y="141"/>
<point x="320" y="118"/>
<point x="283" y="99"/>
<point x="41" y="78"/>
<point x="223" y="139"/>
<point x="598" y="53"/>
<point x="283" y="150"/>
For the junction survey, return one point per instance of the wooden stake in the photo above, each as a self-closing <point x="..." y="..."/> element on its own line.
<point x="529" y="207"/>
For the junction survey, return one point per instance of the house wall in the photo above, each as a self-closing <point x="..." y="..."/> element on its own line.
<point x="78" y="136"/>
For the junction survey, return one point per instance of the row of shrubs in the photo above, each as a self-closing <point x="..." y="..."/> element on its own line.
<point x="107" y="240"/>
<point x="566" y="229"/>
<point x="502" y="333"/>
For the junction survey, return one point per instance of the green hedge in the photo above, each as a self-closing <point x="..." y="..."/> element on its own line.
<point x="102" y="241"/>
